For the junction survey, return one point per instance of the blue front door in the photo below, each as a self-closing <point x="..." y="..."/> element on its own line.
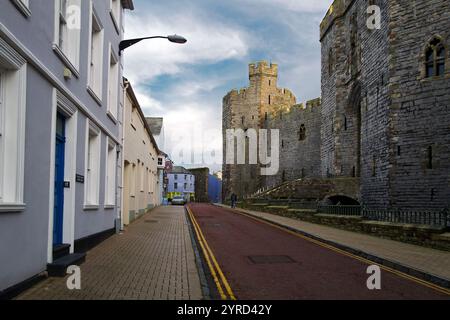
<point x="59" y="180"/>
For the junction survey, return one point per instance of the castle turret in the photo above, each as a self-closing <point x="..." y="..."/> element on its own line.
<point x="252" y="108"/>
<point x="263" y="71"/>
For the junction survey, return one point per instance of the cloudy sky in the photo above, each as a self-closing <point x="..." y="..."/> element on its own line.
<point x="185" y="84"/>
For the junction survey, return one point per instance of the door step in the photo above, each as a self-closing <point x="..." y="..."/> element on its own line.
<point x="61" y="250"/>
<point x="59" y="266"/>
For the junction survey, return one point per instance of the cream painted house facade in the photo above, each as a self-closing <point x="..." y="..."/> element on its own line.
<point x="140" y="179"/>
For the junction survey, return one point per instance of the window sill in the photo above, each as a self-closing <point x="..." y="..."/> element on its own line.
<point x="24" y="9"/>
<point x="109" y="206"/>
<point x="435" y="78"/>
<point x="12" y="207"/>
<point x="112" y="117"/>
<point x="61" y="55"/>
<point x="94" y="96"/>
<point x="91" y="207"/>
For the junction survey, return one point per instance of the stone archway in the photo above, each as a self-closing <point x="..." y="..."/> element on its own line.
<point x="341" y="200"/>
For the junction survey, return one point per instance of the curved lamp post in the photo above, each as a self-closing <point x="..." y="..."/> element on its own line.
<point x="128" y="43"/>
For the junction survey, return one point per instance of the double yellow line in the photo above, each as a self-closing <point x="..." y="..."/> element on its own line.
<point x="219" y="278"/>
<point x="348" y="254"/>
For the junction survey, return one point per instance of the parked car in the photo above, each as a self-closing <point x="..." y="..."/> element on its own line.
<point x="178" y="201"/>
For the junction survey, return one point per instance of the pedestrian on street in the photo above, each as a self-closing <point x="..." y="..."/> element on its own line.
<point x="233" y="200"/>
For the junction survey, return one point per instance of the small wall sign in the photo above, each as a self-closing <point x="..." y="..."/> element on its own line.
<point x="79" y="178"/>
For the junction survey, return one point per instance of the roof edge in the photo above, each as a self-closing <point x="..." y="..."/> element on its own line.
<point x="132" y="95"/>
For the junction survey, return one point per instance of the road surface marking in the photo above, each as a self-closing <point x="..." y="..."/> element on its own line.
<point x="398" y="273"/>
<point x="211" y="268"/>
<point x="209" y="254"/>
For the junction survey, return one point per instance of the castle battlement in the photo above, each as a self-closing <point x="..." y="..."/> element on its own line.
<point x="231" y="93"/>
<point x="263" y="68"/>
<point x="309" y="106"/>
<point x="314" y="103"/>
<point x="286" y="93"/>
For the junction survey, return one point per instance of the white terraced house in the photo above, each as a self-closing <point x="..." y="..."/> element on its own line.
<point x="61" y="106"/>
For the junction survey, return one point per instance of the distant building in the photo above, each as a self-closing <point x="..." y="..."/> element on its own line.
<point x="201" y="184"/>
<point x="162" y="174"/>
<point x="219" y="175"/>
<point x="141" y="154"/>
<point x="214" y="189"/>
<point x="181" y="182"/>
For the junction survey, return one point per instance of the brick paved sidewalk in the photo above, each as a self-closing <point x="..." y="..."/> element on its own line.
<point x="152" y="260"/>
<point x="430" y="261"/>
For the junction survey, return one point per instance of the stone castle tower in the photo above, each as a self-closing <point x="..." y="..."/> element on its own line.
<point x="251" y="108"/>
<point x="385" y="101"/>
<point x="382" y="122"/>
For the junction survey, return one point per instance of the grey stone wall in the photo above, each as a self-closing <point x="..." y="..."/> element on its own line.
<point x="355" y="99"/>
<point x="299" y="157"/>
<point x="419" y="112"/>
<point x="379" y="114"/>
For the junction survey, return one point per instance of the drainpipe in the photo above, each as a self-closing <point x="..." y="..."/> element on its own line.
<point x="125" y="88"/>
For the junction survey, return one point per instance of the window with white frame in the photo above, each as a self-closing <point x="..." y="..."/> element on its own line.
<point x="96" y="56"/>
<point x="115" y="13"/>
<point x="113" y="84"/>
<point x="92" y="166"/>
<point x="67" y="32"/>
<point x="110" y="196"/>
<point x="12" y="128"/>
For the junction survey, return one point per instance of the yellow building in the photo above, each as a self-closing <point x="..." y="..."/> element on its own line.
<point x="140" y="178"/>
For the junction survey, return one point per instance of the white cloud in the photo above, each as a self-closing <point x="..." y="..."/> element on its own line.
<point x="195" y="132"/>
<point x="148" y="104"/>
<point x="191" y="102"/>
<point x="296" y="5"/>
<point x="208" y="41"/>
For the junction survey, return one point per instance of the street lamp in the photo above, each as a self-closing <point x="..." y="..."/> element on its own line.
<point x="128" y="43"/>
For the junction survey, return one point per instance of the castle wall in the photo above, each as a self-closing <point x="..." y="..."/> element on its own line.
<point x="420" y="108"/>
<point x="299" y="156"/>
<point x="404" y="152"/>
<point x="355" y="99"/>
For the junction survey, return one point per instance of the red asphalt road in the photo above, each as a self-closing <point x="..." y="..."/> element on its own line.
<point x="316" y="273"/>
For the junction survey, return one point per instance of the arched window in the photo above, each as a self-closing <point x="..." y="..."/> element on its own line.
<point x="435" y="58"/>
<point x="330" y="61"/>
<point x="302" y="133"/>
